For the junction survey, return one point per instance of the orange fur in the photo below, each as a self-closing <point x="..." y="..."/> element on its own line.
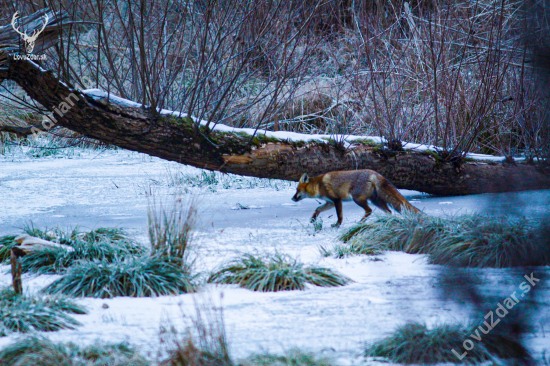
<point x="356" y="185"/>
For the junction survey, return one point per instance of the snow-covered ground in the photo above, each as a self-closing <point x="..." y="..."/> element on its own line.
<point x="111" y="188"/>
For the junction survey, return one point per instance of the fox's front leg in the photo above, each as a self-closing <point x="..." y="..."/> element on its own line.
<point x="338" y="204"/>
<point x="326" y="206"/>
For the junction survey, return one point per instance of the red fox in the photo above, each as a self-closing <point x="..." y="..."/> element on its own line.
<point x="356" y="185"/>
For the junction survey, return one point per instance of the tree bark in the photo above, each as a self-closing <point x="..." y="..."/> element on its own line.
<point x="16" y="272"/>
<point x="115" y="122"/>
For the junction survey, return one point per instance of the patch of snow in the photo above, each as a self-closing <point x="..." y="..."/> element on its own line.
<point x="100" y="94"/>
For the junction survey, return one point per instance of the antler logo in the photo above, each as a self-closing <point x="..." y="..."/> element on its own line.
<point x="29" y="40"/>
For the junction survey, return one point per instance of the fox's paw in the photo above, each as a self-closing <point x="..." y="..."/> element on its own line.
<point x="336" y="224"/>
<point x="313" y="219"/>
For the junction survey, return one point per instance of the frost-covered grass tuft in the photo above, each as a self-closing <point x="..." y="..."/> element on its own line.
<point x="144" y="276"/>
<point x="275" y="272"/>
<point x="413" y="343"/>
<point x="294" y="357"/>
<point x="463" y="241"/>
<point x="37" y="351"/>
<point x="104" y="244"/>
<point x="21" y="313"/>
<point x="6" y="244"/>
<point x="410" y="233"/>
<point x="492" y="242"/>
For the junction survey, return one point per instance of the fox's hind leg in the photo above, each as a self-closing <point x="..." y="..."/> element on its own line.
<point x="326" y="206"/>
<point x="380" y="203"/>
<point x="362" y="201"/>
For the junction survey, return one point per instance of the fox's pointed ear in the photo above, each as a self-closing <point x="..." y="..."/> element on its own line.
<point x="304" y="178"/>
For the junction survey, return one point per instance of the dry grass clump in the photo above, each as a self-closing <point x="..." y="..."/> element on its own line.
<point x="171" y="230"/>
<point x="463" y="241"/>
<point x="410" y="233"/>
<point x="275" y="272"/>
<point x="187" y="353"/>
<point x="492" y="242"/>
<point x="37" y="351"/>
<point x="204" y="343"/>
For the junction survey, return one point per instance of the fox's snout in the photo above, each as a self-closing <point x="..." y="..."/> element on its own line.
<point x="301" y="191"/>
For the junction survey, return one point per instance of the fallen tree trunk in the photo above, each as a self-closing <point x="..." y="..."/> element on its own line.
<point x="171" y="137"/>
<point x="179" y="139"/>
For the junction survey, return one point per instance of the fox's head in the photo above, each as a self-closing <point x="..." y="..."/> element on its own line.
<point x="301" y="190"/>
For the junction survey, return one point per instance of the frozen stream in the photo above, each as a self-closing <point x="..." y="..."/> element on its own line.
<point x="93" y="189"/>
<point x="111" y="188"/>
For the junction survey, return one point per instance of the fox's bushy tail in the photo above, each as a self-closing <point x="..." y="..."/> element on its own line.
<point x="388" y="193"/>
